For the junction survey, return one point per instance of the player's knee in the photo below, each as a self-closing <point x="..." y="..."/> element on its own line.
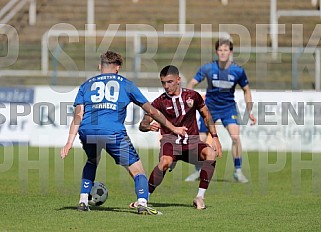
<point x="210" y="154"/>
<point x="235" y="139"/>
<point x="93" y="161"/>
<point x="165" y="163"/>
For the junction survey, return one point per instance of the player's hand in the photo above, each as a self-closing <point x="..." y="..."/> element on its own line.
<point x="154" y="126"/>
<point x="216" y="144"/>
<point x="64" y="151"/>
<point x="253" y="119"/>
<point x="180" y="130"/>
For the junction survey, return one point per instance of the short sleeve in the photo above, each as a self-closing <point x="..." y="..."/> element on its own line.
<point x="243" y="78"/>
<point x="199" y="100"/>
<point x="136" y="95"/>
<point x="202" y="73"/>
<point x="80" y="97"/>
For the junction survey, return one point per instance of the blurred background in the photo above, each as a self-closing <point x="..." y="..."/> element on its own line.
<point x="46" y="42"/>
<point x="48" y="48"/>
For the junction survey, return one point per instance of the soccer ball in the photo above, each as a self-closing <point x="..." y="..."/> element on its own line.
<point x="98" y="194"/>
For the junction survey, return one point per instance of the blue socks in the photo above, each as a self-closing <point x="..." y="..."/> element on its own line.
<point x="237" y="162"/>
<point x="89" y="171"/>
<point x="141" y="186"/>
<point x="88" y="177"/>
<point x="86" y="186"/>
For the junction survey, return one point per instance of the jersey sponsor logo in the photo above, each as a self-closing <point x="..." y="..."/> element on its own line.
<point x="222" y="84"/>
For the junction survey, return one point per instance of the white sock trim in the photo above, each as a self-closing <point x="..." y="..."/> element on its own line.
<point x="84" y="198"/>
<point x="201" y="192"/>
<point x="142" y="201"/>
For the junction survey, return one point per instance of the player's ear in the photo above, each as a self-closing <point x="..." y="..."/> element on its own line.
<point x="99" y="67"/>
<point x="231" y="56"/>
<point x="179" y="79"/>
<point x="117" y="68"/>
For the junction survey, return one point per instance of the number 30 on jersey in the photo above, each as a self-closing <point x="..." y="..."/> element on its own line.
<point x="109" y="91"/>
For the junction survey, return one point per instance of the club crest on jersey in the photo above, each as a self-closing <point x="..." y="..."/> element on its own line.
<point x="190" y="102"/>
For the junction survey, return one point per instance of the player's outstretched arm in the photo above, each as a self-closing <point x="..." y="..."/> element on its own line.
<point x="216" y="144"/>
<point x="73" y="130"/>
<point x="155" y="114"/>
<point x="192" y="84"/>
<point x="149" y="124"/>
<point x="249" y="103"/>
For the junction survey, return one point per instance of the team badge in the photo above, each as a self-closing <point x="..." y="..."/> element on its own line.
<point x="190" y="102"/>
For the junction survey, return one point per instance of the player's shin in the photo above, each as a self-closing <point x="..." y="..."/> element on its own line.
<point x="155" y="179"/>
<point x="238" y="162"/>
<point x="89" y="171"/>
<point x="141" y="189"/>
<point x="206" y="174"/>
<point x="86" y="186"/>
<point x="88" y="177"/>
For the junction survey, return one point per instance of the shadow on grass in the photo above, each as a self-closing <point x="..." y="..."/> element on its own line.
<point x="160" y="204"/>
<point x="213" y="180"/>
<point x="127" y="210"/>
<point x="101" y="208"/>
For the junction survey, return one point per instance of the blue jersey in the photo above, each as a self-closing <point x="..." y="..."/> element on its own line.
<point x="221" y="84"/>
<point x="105" y="98"/>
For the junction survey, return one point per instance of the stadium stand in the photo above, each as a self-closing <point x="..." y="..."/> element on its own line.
<point x="252" y="13"/>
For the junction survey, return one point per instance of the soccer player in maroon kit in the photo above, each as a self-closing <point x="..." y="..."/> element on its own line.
<point x="179" y="106"/>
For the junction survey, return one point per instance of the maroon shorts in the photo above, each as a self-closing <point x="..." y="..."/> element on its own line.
<point x="190" y="153"/>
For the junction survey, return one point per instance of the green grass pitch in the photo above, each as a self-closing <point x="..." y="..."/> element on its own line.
<point x="39" y="192"/>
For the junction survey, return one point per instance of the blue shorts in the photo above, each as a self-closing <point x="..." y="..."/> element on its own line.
<point x="118" y="146"/>
<point x="227" y="117"/>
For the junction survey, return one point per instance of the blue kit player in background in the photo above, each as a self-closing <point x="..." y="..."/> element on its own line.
<point x="100" y="112"/>
<point x="222" y="76"/>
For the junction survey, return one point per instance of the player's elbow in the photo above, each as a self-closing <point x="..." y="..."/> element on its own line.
<point x="192" y="84"/>
<point x="143" y="127"/>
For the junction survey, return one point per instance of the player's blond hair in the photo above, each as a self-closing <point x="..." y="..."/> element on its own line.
<point x="111" y="57"/>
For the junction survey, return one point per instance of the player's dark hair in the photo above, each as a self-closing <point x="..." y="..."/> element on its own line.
<point x="224" y="41"/>
<point x="169" y="70"/>
<point x="111" y="57"/>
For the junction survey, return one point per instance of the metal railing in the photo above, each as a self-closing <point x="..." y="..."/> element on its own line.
<point x="275" y="14"/>
<point x="13" y="7"/>
<point x="135" y="35"/>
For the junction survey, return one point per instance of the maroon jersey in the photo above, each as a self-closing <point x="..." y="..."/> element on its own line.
<point x="181" y="111"/>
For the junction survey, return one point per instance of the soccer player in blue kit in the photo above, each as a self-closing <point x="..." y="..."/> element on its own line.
<point x="100" y="112"/>
<point x="222" y="76"/>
